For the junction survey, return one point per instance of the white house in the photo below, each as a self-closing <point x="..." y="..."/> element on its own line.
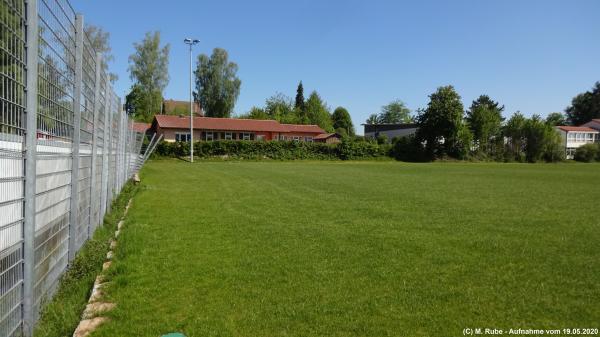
<point x="575" y="136"/>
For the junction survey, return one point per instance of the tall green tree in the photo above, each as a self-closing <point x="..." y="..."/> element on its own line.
<point x="515" y="133"/>
<point x="541" y="141"/>
<point x="441" y="124"/>
<point x="279" y="107"/>
<point x="556" y="118"/>
<point x="318" y="112"/>
<point x="585" y="107"/>
<point x="100" y="42"/>
<point x="217" y="83"/>
<point x="373" y="119"/>
<point x="134" y="101"/>
<point x="395" y="112"/>
<point x="342" y="122"/>
<point x="255" y="113"/>
<point x="299" y="104"/>
<point x="148" y="69"/>
<point x="484" y="119"/>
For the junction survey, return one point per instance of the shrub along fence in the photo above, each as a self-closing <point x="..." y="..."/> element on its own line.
<point x="66" y="149"/>
<point x="281" y="150"/>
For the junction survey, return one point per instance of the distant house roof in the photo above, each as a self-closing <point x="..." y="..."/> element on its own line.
<point x="140" y="127"/>
<point x="576" y="128"/>
<point x="303" y="128"/>
<point x="597" y="121"/>
<point x="171" y="106"/>
<point x="388" y="127"/>
<point x="326" y="136"/>
<point x="232" y="124"/>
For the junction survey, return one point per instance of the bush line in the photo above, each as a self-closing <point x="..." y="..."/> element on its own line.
<point x="280" y="150"/>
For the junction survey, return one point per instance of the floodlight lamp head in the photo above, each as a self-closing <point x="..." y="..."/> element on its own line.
<point x="191" y="41"/>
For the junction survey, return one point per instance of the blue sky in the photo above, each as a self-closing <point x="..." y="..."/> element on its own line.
<point x="532" y="56"/>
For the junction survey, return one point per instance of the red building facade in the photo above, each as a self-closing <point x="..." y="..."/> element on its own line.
<point x="177" y="128"/>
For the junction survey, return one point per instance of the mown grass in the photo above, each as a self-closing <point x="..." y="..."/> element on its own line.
<point x="357" y="249"/>
<point x="62" y="313"/>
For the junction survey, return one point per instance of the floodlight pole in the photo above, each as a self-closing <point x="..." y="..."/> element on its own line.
<point x="191" y="43"/>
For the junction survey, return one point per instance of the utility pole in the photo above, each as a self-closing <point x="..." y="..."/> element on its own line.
<point x="191" y="43"/>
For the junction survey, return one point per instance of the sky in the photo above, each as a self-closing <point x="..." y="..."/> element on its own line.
<point x="531" y="56"/>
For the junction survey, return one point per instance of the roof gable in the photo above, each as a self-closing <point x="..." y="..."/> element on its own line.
<point x="140" y="127"/>
<point x="303" y="128"/>
<point x="327" y="136"/>
<point x="576" y="129"/>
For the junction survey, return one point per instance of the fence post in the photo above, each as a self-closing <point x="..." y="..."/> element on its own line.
<point x="105" y="149"/>
<point x="111" y="135"/>
<point x="93" y="197"/>
<point x="118" y="158"/>
<point x="30" y="167"/>
<point x="128" y="136"/>
<point x="74" y="213"/>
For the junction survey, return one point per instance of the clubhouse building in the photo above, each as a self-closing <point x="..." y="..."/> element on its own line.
<point x="575" y="136"/>
<point x="177" y="129"/>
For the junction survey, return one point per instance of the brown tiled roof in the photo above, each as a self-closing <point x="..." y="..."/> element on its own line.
<point x="140" y="127"/>
<point x="303" y="128"/>
<point x="324" y="136"/>
<point x="170" y="105"/>
<point x="232" y="124"/>
<point x="576" y="128"/>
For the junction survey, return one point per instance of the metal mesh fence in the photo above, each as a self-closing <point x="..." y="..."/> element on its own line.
<point x="12" y="175"/>
<point x="66" y="149"/>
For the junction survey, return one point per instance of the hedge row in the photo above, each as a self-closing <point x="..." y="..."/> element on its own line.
<point x="283" y="150"/>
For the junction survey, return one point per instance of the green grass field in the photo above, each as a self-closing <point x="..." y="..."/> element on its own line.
<point x="357" y="249"/>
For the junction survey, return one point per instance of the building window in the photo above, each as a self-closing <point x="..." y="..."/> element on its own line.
<point x="228" y="136"/>
<point x="209" y="136"/>
<point x="281" y="137"/>
<point x="571" y="137"/>
<point x="308" y="139"/>
<point x="182" y="136"/>
<point x="246" y="136"/>
<point x="260" y="137"/>
<point x="590" y="137"/>
<point x="296" y="138"/>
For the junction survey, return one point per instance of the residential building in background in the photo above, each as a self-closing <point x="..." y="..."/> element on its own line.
<point x="575" y="136"/>
<point x="140" y="127"/>
<point x="390" y="130"/>
<point x="594" y="124"/>
<point x="177" y="128"/>
<point x="328" y="138"/>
